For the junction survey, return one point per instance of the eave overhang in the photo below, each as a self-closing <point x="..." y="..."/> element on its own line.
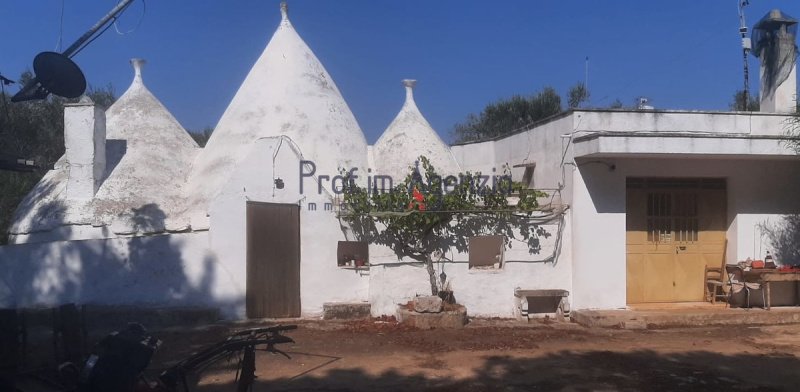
<point x="683" y="144"/>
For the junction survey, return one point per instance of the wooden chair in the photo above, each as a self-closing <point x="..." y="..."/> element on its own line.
<point x="715" y="284"/>
<point x="715" y="278"/>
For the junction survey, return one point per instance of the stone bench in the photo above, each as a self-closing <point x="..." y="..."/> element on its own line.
<point x="550" y="303"/>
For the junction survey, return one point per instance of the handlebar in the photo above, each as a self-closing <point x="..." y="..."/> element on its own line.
<point x="273" y="329"/>
<point x="236" y="341"/>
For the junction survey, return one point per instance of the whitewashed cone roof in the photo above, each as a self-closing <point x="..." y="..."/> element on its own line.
<point x="148" y="157"/>
<point x="407" y="137"/>
<point x="286" y="93"/>
<point x="155" y="154"/>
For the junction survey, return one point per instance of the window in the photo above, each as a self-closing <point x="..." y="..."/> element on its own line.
<point x="527" y="176"/>
<point x="486" y="252"/>
<point x="353" y="254"/>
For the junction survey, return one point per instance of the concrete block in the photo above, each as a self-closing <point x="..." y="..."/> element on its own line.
<point x="345" y="311"/>
<point x="428" y="304"/>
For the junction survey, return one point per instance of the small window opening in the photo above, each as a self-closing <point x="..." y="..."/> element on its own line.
<point x="353" y="254"/>
<point x="527" y="175"/>
<point x="486" y="252"/>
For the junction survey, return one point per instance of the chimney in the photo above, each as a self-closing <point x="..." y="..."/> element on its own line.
<point x="774" y="44"/>
<point x="85" y="142"/>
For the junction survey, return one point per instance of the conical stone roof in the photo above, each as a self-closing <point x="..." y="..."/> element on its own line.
<point x="149" y="156"/>
<point x="286" y="93"/>
<point x="407" y="137"/>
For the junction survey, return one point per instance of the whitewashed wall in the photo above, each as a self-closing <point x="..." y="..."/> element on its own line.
<point x="321" y="280"/>
<point x="598" y="244"/>
<point x="749" y="123"/>
<point x="160" y="270"/>
<point x="209" y="268"/>
<point x="759" y="191"/>
<point x="760" y="188"/>
<point x="491" y="293"/>
<point x="484" y="292"/>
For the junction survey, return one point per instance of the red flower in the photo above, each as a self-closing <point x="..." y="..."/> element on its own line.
<point x="419" y="200"/>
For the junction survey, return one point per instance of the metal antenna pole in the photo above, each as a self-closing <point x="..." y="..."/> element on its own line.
<point x="747" y="45"/>
<point x="25" y="93"/>
<point x="586" y="80"/>
<point x="111" y="14"/>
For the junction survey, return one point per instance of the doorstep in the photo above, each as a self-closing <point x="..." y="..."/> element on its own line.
<point x="665" y="316"/>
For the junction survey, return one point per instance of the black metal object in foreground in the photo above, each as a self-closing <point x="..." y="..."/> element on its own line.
<point x="120" y="359"/>
<point x="175" y="378"/>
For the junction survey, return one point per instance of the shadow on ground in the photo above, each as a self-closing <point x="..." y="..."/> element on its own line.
<point x="563" y="371"/>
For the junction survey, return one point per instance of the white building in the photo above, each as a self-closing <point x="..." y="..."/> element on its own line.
<point x="137" y="213"/>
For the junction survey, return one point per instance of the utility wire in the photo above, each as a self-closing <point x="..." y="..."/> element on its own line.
<point x="108" y="26"/>
<point x="60" y="28"/>
<point x="139" y="23"/>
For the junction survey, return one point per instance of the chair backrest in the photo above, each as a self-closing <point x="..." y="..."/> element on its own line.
<point x="734" y="273"/>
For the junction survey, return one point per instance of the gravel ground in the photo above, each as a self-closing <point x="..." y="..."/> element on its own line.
<point x="497" y="355"/>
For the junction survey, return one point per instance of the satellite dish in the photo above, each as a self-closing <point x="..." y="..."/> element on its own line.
<point x="55" y="74"/>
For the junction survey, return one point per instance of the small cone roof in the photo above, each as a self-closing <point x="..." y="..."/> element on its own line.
<point x="407" y="137"/>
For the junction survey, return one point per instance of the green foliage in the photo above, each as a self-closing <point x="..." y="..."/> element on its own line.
<point x="577" y="95"/>
<point x="453" y="210"/>
<point x="739" y="104"/>
<point x="103" y="97"/>
<point x="617" y="104"/>
<point x="507" y="115"/>
<point x="792" y="126"/>
<point x="33" y="130"/>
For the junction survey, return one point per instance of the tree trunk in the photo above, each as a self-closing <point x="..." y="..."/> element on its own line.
<point x="431" y="274"/>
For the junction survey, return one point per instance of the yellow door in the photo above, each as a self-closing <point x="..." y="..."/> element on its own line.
<point x="674" y="229"/>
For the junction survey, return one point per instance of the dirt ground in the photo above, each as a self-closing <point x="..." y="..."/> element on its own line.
<point x="495" y="355"/>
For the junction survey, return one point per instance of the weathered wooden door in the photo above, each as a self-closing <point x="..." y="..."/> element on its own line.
<point x="273" y="260"/>
<point x="675" y="227"/>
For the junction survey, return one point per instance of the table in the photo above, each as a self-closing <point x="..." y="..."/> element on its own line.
<point x="766" y="275"/>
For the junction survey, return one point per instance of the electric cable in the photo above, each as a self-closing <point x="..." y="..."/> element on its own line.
<point x="60" y="28"/>
<point x="113" y="20"/>
<point x="138" y="23"/>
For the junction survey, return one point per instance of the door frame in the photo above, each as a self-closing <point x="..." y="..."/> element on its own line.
<point x="645" y="257"/>
<point x="251" y="312"/>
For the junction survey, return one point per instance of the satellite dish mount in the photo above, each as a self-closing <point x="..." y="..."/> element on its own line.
<point x="56" y="73"/>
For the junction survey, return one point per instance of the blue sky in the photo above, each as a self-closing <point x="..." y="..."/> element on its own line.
<point x="682" y="54"/>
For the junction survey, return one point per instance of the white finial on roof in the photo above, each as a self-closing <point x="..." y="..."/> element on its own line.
<point x="409" y="83"/>
<point x="137" y="64"/>
<point x="284" y="11"/>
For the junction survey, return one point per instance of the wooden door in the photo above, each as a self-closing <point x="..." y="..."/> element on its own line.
<point x="675" y="227"/>
<point x="273" y="260"/>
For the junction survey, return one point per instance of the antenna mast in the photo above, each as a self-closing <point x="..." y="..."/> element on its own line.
<point x="34" y="89"/>
<point x="747" y="45"/>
